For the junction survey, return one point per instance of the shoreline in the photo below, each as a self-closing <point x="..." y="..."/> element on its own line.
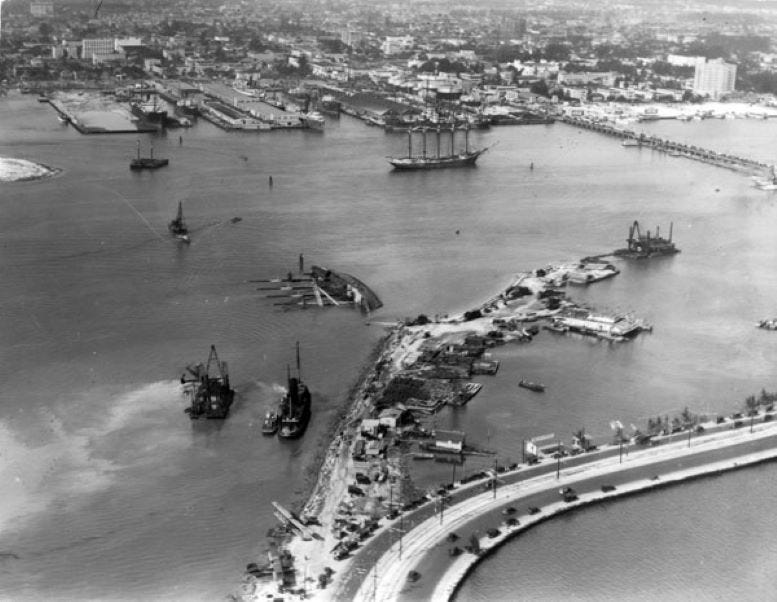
<point x="667" y="481"/>
<point x="425" y="544"/>
<point x="527" y="297"/>
<point x="330" y="438"/>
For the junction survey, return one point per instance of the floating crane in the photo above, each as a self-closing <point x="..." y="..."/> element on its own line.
<point x="646" y="245"/>
<point x="211" y="396"/>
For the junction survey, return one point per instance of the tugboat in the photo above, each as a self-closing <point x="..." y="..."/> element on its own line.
<point x="462" y="159"/>
<point x="270" y="424"/>
<point x="211" y="396"/>
<point x="178" y="227"/>
<point x="295" y="406"/>
<point x="532" y="386"/>
<point x="147" y="162"/>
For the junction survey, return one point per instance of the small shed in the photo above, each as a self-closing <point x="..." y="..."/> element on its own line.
<point x="450" y="440"/>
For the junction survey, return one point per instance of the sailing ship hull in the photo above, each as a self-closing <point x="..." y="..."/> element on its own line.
<point x="148" y="163"/>
<point x="414" y="163"/>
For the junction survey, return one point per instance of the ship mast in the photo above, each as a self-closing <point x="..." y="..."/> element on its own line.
<point x="299" y="369"/>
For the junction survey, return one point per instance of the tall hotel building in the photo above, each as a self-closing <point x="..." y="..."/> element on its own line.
<point x="714" y="78"/>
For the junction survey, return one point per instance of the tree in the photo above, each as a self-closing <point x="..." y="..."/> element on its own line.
<point x="540" y="87"/>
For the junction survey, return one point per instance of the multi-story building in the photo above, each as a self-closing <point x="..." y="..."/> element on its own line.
<point x="714" y="78"/>
<point x="42" y="8"/>
<point x="396" y="44"/>
<point x="96" y="46"/>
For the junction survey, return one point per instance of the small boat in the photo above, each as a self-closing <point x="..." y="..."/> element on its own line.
<point x="63" y="119"/>
<point x="270" y="424"/>
<point x="423" y="456"/>
<point x="532" y="386"/>
<point x="314" y="120"/>
<point x="178" y="227"/>
<point x="768" y="324"/>
<point x="147" y="162"/>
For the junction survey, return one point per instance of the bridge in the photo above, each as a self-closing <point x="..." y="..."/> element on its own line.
<point x="674" y="148"/>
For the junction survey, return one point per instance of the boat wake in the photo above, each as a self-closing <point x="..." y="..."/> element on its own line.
<point x="61" y="456"/>
<point x="20" y="170"/>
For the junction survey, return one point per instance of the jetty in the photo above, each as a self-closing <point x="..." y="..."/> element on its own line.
<point x="631" y="138"/>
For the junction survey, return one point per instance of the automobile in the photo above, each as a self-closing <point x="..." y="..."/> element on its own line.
<point x="413" y="576"/>
<point x="354" y="490"/>
<point x="362" y="479"/>
<point x="512" y="521"/>
<point x="493" y="533"/>
<point x="606" y="488"/>
<point x="454" y="551"/>
<point x="568" y="494"/>
<point x="452" y="537"/>
<point x="534" y="510"/>
<point x="508" y="511"/>
<point x="655" y="477"/>
<point x="700" y="429"/>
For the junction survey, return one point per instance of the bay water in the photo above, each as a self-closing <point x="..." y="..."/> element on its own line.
<point x="111" y="492"/>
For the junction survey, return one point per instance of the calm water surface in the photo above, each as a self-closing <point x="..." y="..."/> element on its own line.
<point x="110" y="491"/>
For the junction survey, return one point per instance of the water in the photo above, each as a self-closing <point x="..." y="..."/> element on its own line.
<point x="114" y="494"/>
<point x="643" y="548"/>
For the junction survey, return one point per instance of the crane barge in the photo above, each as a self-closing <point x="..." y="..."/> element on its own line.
<point x="211" y="396"/>
<point x="644" y="245"/>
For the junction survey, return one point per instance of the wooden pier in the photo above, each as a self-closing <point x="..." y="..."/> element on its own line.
<point x="675" y="149"/>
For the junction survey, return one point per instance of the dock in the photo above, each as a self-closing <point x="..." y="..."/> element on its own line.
<point x="671" y="147"/>
<point x="287" y="518"/>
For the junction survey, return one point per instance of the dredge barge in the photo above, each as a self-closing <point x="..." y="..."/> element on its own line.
<point x="211" y="396"/>
<point x="642" y="246"/>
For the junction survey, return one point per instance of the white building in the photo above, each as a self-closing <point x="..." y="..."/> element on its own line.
<point x="679" y="60"/>
<point x="42" y="8"/>
<point x="396" y="44"/>
<point x="714" y="78"/>
<point x="97" y="46"/>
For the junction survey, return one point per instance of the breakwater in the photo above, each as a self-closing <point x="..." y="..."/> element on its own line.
<point x="673" y="148"/>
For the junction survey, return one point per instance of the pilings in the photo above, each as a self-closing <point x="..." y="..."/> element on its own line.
<point x="674" y="148"/>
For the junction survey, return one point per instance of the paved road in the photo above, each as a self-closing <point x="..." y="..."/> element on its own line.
<point x="436" y="559"/>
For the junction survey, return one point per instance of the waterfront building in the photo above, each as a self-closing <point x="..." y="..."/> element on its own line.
<point x="450" y="440"/>
<point x="90" y="47"/>
<point x="714" y="78"/>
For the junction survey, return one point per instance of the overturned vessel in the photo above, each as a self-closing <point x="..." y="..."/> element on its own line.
<point x="210" y="395"/>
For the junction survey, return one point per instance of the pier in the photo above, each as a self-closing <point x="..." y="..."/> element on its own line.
<point x="675" y="149"/>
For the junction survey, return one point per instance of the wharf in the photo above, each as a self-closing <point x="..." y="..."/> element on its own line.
<point x="677" y="149"/>
<point x="83" y="128"/>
